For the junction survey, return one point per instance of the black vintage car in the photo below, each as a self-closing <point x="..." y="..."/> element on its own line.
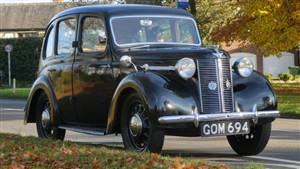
<point x="142" y="71"/>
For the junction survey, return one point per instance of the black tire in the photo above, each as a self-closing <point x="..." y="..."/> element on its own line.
<point x="149" y="138"/>
<point x="48" y="131"/>
<point x="252" y="143"/>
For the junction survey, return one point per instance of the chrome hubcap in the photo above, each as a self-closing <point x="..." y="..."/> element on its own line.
<point x="45" y="118"/>
<point x="136" y="125"/>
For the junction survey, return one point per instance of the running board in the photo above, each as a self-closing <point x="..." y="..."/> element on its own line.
<point x="85" y="130"/>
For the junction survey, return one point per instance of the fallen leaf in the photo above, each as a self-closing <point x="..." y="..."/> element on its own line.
<point x="14" y="165"/>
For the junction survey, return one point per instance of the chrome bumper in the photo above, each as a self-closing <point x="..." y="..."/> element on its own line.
<point x="195" y="117"/>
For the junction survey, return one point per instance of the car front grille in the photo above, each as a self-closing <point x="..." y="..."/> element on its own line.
<point x="215" y="84"/>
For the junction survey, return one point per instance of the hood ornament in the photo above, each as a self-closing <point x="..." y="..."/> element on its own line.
<point x="218" y="54"/>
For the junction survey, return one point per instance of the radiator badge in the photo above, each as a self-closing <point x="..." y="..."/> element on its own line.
<point x="212" y="85"/>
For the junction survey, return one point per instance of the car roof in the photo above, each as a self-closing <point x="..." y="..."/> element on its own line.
<point x="124" y="9"/>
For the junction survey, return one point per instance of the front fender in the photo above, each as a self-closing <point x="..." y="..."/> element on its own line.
<point x="160" y="92"/>
<point x="252" y="90"/>
<point x="41" y="84"/>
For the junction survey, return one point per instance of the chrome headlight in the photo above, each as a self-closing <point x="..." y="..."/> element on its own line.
<point x="243" y="66"/>
<point x="186" y="68"/>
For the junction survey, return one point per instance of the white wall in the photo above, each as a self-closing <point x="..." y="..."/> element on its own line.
<point x="276" y="65"/>
<point x="252" y="57"/>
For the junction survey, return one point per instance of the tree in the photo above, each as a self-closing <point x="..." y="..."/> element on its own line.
<point x="209" y="14"/>
<point x="272" y="25"/>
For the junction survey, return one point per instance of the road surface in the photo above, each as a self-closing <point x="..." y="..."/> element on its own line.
<point x="282" y="151"/>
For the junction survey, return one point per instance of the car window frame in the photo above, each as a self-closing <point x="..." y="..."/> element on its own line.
<point x="79" y="37"/>
<point x="56" y="36"/>
<point x="155" y="16"/>
<point x="50" y="28"/>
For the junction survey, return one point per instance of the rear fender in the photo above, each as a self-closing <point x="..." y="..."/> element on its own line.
<point x="41" y="84"/>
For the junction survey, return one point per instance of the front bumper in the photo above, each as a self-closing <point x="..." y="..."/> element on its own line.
<point x="196" y="118"/>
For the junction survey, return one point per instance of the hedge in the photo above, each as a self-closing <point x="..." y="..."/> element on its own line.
<point x="24" y="59"/>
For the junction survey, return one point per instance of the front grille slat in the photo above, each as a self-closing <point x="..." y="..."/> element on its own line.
<point x="215" y="70"/>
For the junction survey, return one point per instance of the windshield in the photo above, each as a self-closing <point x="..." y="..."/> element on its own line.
<point x="141" y="30"/>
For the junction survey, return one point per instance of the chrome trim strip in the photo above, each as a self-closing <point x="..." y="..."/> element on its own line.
<point x="199" y="86"/>
<point x="231" y="81"/>
<point x="220" y="83"/>
<point x="147" y="67"/>
<point x="153" y="16"/>
<point x="216" y="117"/>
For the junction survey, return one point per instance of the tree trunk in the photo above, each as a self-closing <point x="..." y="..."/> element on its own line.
<point x="193" y="7"/>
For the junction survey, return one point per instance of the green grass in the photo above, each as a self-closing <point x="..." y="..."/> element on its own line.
<point x="31" y="152"/>
<point x="20" y="93"/>
<point x="289" y="104"/>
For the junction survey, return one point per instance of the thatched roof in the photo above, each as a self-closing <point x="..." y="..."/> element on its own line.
<point x="36" y="16"/>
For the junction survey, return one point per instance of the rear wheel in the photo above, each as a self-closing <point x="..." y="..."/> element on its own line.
<point x="252" y="143"/>
<point x="138" y="132"/>
<point x="44" y="121"/>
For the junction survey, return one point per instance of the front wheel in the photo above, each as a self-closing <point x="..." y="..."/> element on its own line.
<point x="138" y="132"/>
<point x="44" y="121"/>
<point x="252" y="143"/>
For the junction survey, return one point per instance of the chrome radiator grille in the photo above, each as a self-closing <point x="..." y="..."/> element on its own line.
<point x="215" y="85"/>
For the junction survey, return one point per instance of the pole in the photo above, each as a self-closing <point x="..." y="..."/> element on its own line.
<point x="9" y="70"/>
<point x="14" y="85"/>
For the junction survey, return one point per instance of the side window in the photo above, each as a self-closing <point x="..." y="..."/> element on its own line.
<point x="66" y="36"/>
<point x="49" y="43"/>
<point x="93" y="36"/>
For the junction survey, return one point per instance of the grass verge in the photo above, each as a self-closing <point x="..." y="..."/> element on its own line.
<point x="31" y="152"/>
<point x="20" y="93"/>
<point x="289" y="105"/>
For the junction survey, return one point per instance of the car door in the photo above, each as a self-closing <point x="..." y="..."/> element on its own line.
<point x="64" y="51"/>
<point x="92" y="73"/>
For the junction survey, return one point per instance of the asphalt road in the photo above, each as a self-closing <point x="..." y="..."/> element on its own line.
<point x="282" y="151"/>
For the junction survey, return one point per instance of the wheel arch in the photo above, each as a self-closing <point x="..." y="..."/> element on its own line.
<point x="128" y="85"/>
<point x="41" y="85"/>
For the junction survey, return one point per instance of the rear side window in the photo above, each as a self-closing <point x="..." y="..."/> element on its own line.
<point x="49" y="43"/>
<point x="93" y="37"/>
<point x="66" y="36"/>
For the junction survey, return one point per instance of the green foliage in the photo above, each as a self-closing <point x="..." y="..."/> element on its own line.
<point x="294" y="70"/>
<point x="271" y="25"/>
<point x="285" y="76"/>
<point x="24" y="59"/>
<point x="269" y="76"/>
<point x="209" y="14"/>
<point x="297" y="77"/>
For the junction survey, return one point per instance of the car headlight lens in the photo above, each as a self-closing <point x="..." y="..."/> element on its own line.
<point x="186" y="68"/>
<point x="244" y="67"/>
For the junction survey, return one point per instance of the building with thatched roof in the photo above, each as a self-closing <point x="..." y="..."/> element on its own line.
<point x="31" y="19"/>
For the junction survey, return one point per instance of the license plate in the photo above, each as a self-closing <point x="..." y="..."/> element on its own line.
<point x="225" y="128"/>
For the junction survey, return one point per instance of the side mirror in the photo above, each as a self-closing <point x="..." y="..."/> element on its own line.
<point x="126" y="61"/>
